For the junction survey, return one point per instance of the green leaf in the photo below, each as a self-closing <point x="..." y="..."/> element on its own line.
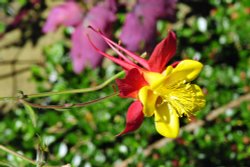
<point x="31" y="114"/>
<point x="2" y="27"/>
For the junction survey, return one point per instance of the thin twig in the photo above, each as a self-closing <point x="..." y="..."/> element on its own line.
<point x="222" y="109"/>
<point x="190" y="127"/>
<point x="84" y="90"/>
<point x="17" y="154"/>
<point x="67" y="105"/>
<point x="33" y="162"/>
<point x="2" y="163"/>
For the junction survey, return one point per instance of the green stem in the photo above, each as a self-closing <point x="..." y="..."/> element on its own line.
<point x="2" y="163"/>
<point x="20" y="156"/>
<point x="84" y="90"/>
<point x="8" y="98"/>
<point x="17" y="155"/>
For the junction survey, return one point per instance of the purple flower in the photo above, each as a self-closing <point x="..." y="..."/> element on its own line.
<point x="139" y="29"/>
<point x="101" y="17"/>
<point x="82" y="53"/>
<point x="68" y="14"/>
<point x="163" y="9"/>
<point x="138" y="32"/>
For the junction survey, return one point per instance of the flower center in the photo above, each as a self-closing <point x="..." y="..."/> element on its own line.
<point x="180" y="97"/>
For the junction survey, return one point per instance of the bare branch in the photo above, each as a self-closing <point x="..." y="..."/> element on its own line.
<point x="67" y="105"/>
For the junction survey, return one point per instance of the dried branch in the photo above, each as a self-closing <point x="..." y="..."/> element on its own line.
<point x="67" y="105"/>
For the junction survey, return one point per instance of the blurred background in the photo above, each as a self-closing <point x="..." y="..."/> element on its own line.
<point x="43" y="47"/>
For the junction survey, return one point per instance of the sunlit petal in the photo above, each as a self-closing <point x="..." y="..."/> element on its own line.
<point x="187" y="70"/>
<point x="166" y="121"/>
<point x="168" y="71"/>
<point x="148" y="99"/>
<point x="153" y="78"/>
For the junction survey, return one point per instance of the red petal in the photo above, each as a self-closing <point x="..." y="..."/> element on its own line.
<point x="131" y="84"/>
<point x="134" y="118"/>
<point x="117" y="47"/>
<point x="174" y="64"/>
<point x="122" y="63"/>
<point x="162" y="53"/>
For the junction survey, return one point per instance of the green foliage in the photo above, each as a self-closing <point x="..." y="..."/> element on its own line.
<point x="86" y="136"/>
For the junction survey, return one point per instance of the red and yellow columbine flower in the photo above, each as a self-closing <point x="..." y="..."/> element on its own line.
<point x="165" y="93"/>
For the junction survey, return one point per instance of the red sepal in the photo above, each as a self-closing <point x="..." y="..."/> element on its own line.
<point x="131" y="84"/>
<point x="125" y="65"/>
<point x="134" y="118"/>
<point x="174" y="64"/>
<point x="162" y="53"/>
<point x="118" y="49"/>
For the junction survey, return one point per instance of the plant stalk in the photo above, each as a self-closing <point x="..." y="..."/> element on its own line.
<point x="84" y="90"/>
<point x="17" y="154"/>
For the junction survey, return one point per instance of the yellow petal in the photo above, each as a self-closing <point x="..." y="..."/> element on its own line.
<point x="157" y="79"/>
<point x="153" y="78"/>
<point x="184" y="72"/>
<point x="166" y="121"/>
<point x="168" y="70"/>
<point x="187" y="70"/>
<point x="148" y="99"/>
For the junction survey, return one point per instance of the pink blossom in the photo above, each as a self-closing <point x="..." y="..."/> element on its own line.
<point x="139" y="30"/>
<point x="82" y="53"/>
<point x="67" y="14"/>
<point x="163" y="9"/>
